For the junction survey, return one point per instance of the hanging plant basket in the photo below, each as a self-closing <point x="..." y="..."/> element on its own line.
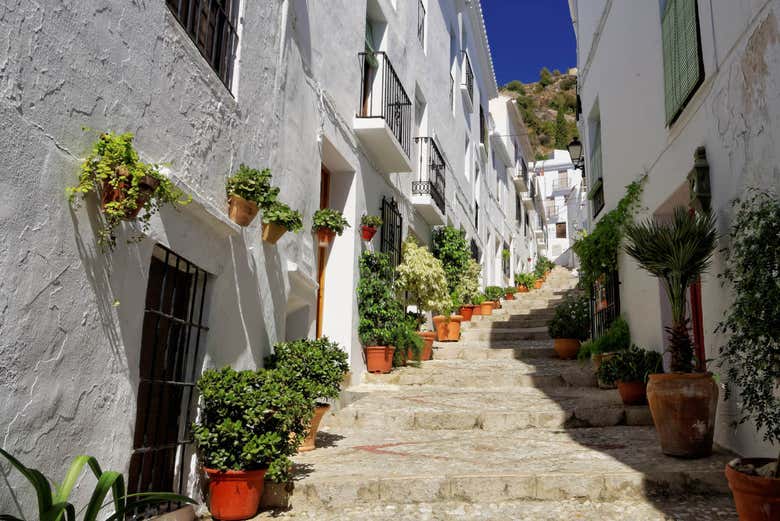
<point x="241" y="211"/>
<point x="325" y="236"/>
<point x="368" y="232"/>
<point x="272" y="232"/>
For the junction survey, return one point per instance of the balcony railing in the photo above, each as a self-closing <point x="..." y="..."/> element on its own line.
<point x="431" y="170"/>
<point x="560" y="185"/>
<point x="383" y="96"/>
<point x="468" y="75"/>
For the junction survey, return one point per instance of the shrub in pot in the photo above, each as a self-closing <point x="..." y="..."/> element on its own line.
<point x="250" y="423"/>
<point x="369" y="225"/>
<point x="629" y="370"/>
<point x="616" y="338"/>
<point x="569" y="326"/>
<point x="524" y="281"/>
<point x="127" y="186"/>
<point x="677" y="251"/>
<point x="378" y="311"/>
<point x="494" y="294"/>
<point x="468" y="288"/>
<point x="409" y="345"/>
<point x="249" y="190"/>
<point x="448" y="244"/>
<point x="327" y="223"/>
<point x="478" y="300"/>
<point x="751" y="355"/>
<point x="510" y="292"/>
<point x="316" y="368"/>
<point x="278" y="219"/>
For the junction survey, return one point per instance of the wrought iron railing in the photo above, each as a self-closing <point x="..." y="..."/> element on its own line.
<point x="604" y="303"/>
<point x="476" y="216"/>
<point x="476" y="253"/>
<point x="468" y="75"/>
<point x="431" y="172"/>
<point x="598" y="200"/>
<point x="383" y="96"/>
<point x="391" y="231"/>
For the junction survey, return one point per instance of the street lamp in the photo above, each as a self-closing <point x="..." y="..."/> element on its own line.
<point x="575" y="151"/>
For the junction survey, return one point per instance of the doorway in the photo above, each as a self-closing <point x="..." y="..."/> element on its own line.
<point x="322" y="251"/>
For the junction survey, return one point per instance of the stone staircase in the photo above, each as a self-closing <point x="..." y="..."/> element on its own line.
<point x="496" y="427"/>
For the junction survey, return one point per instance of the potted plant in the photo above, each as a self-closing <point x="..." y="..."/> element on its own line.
<point x="454" y="320"/>
<point x="369" y="225"/>
<point x="249" y="190"/>
<point x="524" y="281"/>
<point x="615" y="339"/>
<point x="250" y="423"/>
<point x="468" y="288"/>
<point x="486" y="306"/>
<point x="510" y="292"/>
<point x="494" y="294"/>
<point x="278" y="219"/>
<point x="569" y="326"/>
<point x="421" y="278"/>
<point x="378" y="311"/>
<point x="478" y="300"/>
<point x="751" y="354"/>
<point x="683" y="402"/>
<point x="126" y="185"/>
<point x="327" y="223"/>
<point x="629" y="370"/>
<point x="448" y="244"/>
<point x="409" y="345"/>
<point x="315" y="368"/>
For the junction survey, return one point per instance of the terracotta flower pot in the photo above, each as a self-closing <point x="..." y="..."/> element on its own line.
<point x="272" y="232"/>
<point x="235" y="494"/>
<point x="310" y="442"/>
<point x="487" y="307"/>
<point x="757" y="498"/>
<point x="379" y="359"/>
<point x="453" y="328"/>
<point x="633" y="393"/>
<point x="325" y="236"/>
<point x="566" y="348"/>
<point x="522" y="289"/>
<point x="241" y="211"/>
<point x="466" y="312"/>
<point x="538" y="284"/>
<point x="683" y="406"/>
<point x="110" y="194"/>
<point x="510" y="296"/>
<point x="428" y="338"/>
<point x="367" y="232"/>
<point x="440" y="325"/>
<point x="477" y="311"/>
<point x="496" y="304"/>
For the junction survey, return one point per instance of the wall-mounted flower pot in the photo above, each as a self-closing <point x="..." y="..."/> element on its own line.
<point x="428" y="338"/>
<point x="325" y="236"/>
<point x="272" y="232"/>
<point x="522" y="289"/>
<point x="235" y="494"/>
<point x="486" y="307"/>
<point x="538" y="284"/>
<point x="453" y="328"/>
<point x="379" y="359"/>
<point x="566" y="348"/>
<point x="466" y="311"/>
<point x="510" y="296"/>
<point x="367" y="232"/>
<point x="310" y="442"/>
<point x="633" y="393"/>
<point x="241" y="211"/>
<point x="440" y="326"/>
<point x="109" y="194"/>
<point x="683" y="406"/>
<point x="757" y="498"/>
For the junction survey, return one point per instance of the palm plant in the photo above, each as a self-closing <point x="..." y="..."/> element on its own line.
<point x="677" y="251"/>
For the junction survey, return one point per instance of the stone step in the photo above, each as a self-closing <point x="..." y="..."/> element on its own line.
<point x="499" y="334"/>
<point x="407" y="467"/>
<point x="491" y="350"/>
<point x="524" y="322"/>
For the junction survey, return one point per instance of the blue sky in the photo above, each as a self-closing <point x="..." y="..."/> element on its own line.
<point x="526" y="35"/>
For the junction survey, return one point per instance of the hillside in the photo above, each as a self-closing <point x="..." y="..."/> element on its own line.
<point x="548" y="107"/>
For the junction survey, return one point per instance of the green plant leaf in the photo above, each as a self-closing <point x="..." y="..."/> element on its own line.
<point x="36" y="479"/>
<point x="109" y="481"/>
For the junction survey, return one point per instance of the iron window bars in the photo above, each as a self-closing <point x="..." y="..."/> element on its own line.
<point x="475" y="251"/>
<point x="476" y="216"/>
<point x="383" y="96"/>
<point x="468" y="75"/>
<point x="391" y="231"/>
<point x="604" y="303"/>
<point x="431" y="172"/>
<point x="173" y="329"/>
<point x="421" y="22"/>
<point x="505" y="261"/>
<point x="211" y="24"/>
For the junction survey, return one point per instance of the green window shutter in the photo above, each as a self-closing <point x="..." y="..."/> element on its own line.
<point x="683" y="70"/>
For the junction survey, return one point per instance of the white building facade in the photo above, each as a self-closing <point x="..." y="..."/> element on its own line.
<point x="636" y="122"/>
<point x="282" y="85"/>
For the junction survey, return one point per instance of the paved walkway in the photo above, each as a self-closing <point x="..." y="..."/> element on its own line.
<point x="496" y="428"/>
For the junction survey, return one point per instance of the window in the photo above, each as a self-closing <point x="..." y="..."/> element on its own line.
<point x="421" y="22"/>
<point x="560" y="230"/>
<point x="476" y="254"/>
<point x="212" y="26"/>
<point x="596" y="193"/>
<point x="604" y="303"/>
<point x="683" y="65"/>
<point x="173" y="330"/>
<point x="476" y="216"/>
<point x="391" y="231"/>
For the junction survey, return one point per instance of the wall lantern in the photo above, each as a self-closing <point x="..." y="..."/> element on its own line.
<point x="699" y="182"/>
<point x="575" y="151"/>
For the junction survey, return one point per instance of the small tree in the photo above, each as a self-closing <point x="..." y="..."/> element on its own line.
<point x="378" y="309"/>
<point x="422" y="277"/>
<point x="468" y="287"/>
<point x="545" y="78"/>
<point x="561" y="130"/>
<point x="450" y="247"/>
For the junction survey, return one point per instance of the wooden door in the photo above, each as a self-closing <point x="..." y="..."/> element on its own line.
<point x="322" y="251"/>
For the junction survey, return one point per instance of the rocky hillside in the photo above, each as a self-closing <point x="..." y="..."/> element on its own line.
<point x="548" y="107"/>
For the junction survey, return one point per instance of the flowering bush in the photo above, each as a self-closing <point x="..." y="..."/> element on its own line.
<point x="571" y="319"/>
<point x="422" y="276"/>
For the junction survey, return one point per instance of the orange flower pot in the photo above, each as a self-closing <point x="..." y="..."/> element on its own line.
<point x="487" y="307"/>
<point x="428" y="338"/>
<point x="510" y="296"/>
<point x="496" y="304"/>
<point x="235" y="494"/>
<point x="566" y="348"/>
<point x="367" y="232"/>
<point x="538" y="284"/>
<point x="757" y="498"/>
<point x="325" y="236"/>
<point x="466" y="312"/>
<point x="453" y="328"/>
<point x="477" y="310"/>
<point x="440" y="325"/>
<point x="632" y="393"/>
<point x="241" y="211"/>
<point x="379" y="359"/>
<point x="310" y="442"/>
<point x="522" y="289"/>
<point x="272" y="232"/>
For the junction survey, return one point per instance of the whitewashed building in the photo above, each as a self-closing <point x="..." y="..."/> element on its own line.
<point x="277" y="84"/>
<point x="659" y="80"/>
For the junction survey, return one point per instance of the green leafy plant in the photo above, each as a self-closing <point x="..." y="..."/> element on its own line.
<point x="54" y="505"/>
<point x="525" y="279"/>
<point x="478" y="299"/>
<point x="378" y="309"/>
<point x="494" y="293"/>
<point x="616" y="338"/>
<point x="510" y="290"/>
<point x="543" y="264"/>
<point x="281" y="214"/>
<point x="632" y="365"/>
<point x="405" y="340"/>
<point x="250" y="420"/>
<point x="449" y="245"/>
<point x="677" y="251"/>
<point x="313" y="367"/>
<point x="374" y="221"/>
<point x="129" y="188"/>
<point x="506" y="254"/>
<point x="421" y="277"/>
<point x="329" y="219"/>
<point x="751" y="354"/>
<point x="468" y="285"/>
<point x="571" y="319"/>
<point x="252" y="185"/>
<point x="598" y="250"/>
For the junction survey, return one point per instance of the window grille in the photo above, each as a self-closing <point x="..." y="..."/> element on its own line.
<point x="211" y="24"/>
<point x="683" y="64"/>
<point x="391" y="231"/>
<point x="476" y="254"/>
<point x="476" y="216"/>
<point x="421" y="22"/>
<point x="431" y="172"/>
<point x="468" y="75"/>
<point x="604" y="303"/>
<point x="173" y="330"/>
